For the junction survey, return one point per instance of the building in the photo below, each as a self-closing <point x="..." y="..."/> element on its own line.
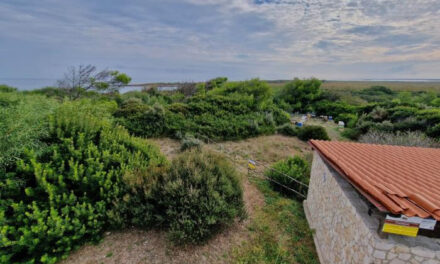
<point x="374" y="203"/>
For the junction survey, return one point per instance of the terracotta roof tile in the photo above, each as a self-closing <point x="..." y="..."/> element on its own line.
<point x="405" y="180"/>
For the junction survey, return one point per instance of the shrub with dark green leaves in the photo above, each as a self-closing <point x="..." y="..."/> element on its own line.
<point x="142" y="119"/>
<point x="288" y="130"/>
<point x="91" y="176"/>
<point x="296" y="169"/>
<point x="200" y="194"/>
<point x="312" y="132"/>
<point x="7" y="89"/>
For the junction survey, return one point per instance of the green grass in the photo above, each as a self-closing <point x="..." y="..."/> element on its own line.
<point x="279" y="233"/>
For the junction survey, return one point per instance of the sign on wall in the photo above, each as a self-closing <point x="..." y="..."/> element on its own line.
<point x="407" y="226"/>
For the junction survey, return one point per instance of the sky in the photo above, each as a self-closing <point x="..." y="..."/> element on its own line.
<point x="195" y="40"/>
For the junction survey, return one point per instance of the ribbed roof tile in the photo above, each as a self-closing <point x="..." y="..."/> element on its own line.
<point x="405" y="180"/>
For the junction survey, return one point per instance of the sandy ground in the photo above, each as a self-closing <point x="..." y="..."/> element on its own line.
<point x="138" y="246"/>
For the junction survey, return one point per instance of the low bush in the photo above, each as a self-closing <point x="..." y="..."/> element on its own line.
<point x="141" y="119"/>
<point x="351" y="133"/>
<point x="189" y="142"/>
<point x="288" y="130"/>
<point x="312" y="132"/>
<point x="7" y="89"/>
<point x="200" y="194"/>
<point x="296" y="169"/>
<point x="349" y="119"/>
<point x="434" y="131"/>
<point x="92" y="176"/>
<point x="23" y="121"/>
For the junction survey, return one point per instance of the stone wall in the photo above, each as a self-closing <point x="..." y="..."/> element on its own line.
<point x="345" y="233"/>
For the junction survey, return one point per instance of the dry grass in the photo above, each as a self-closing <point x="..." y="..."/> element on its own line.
<point x="138" y="246"/>
<point x="359" y="85"/>
<point x="396" y="86"/>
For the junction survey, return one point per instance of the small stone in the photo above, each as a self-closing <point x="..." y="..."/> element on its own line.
<point x="397" y="261"/>
<point x="404" y="256"/>
<point x="381" y="245"/>
<point x="370" y="249"/>
<point x="391" y="256"/>
<point x="379" y="254"/>
<point x="422" y="252"/>
<point x="413" y="261"/>
<point x="366" y="260"/>
<point x="431" y="261"/>
<point x="401" y="249"/>
<point x="419" y="259"/>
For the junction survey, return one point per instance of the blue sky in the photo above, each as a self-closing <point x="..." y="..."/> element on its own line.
<point x="194" y="40"/>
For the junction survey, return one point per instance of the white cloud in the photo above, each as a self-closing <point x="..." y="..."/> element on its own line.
<point x="198" y="39"/>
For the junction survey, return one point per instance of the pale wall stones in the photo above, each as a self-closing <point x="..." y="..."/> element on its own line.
<point x="345" y="233"/>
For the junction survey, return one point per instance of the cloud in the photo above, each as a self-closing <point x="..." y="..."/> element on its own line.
<point x="200" y="39"/>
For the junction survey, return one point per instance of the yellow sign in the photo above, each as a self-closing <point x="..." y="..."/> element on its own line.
<point x="251" y="165"/>
<point x="400" y="229"/>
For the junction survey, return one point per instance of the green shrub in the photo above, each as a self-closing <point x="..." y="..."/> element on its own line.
<point x="288" y="130"/>
<point x="349" y="119"/>
<point x="385" y="126"/>
<point x="351" y="133"/>
<point x="199" y="195"/>
<point x="376" y="94"/>
<point x="296" y="168"/>
<point x="312" y="132"/>
<point x="23" y="121"/>
<point x="141" y="119"/>
<point x="402" y="112"/>
<point x="7" y="89"/>
<point x="378" y="114"/>
<point x="91" y="176"/>
<point x="330" y="108"/>
<point x="189" y="142"/>
<point x="301" y="94"/>
<point x="434" y="131"/>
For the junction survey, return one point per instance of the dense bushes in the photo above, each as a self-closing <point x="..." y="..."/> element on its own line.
<point x="313" y="132"/>
<point x="7" y="89"/>
<point x="301" y="94"/>
<point x="199" y="194"/>
<point x="23" y="121"/>
<point x="288" y="130"/>
<point x="297" y="169"/>
<point x="230" y="110"/>
<point x="91" y="176"/>
<point x="141" y="119"/>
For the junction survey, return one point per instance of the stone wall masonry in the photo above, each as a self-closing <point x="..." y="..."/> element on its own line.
<point x="345" y="233"/>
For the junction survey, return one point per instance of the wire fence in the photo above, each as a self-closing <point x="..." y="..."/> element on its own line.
<point x="255" y="162"/>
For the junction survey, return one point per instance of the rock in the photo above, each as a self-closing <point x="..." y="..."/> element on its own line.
<point x="404" y="256"/>
<point x="379" y="254"/>
<point x="381" y="245"/>
<point x="397" y="261"/>
<point x="422" y="252"/>
<point x="391" y="256"/>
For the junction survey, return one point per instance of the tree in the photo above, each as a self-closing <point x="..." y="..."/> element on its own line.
<point x="83" y="78"/>
<point x="300" y="94"/>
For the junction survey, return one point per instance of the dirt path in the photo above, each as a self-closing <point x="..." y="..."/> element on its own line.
<point x="138" y="246"/>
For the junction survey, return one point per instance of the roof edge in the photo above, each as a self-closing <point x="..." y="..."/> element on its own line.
<point x="370" y="198"/>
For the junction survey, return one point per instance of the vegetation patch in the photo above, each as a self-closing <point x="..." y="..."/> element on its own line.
<point x="293" y="173"/>
<point x="199" y="194"/>
<point x="279" y="233"/>
<point x="90" y="177"/>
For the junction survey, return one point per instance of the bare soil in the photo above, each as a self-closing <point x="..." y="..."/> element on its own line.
<point x="138" y="246"/>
